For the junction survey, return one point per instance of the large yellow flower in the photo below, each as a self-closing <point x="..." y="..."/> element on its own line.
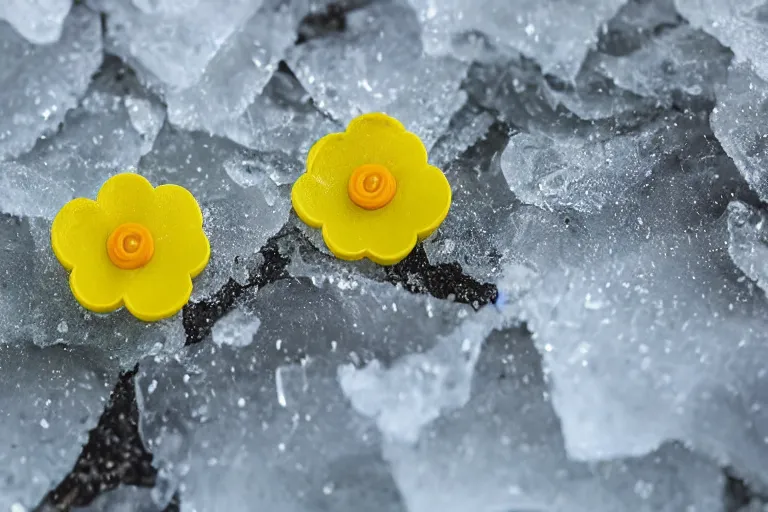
<point x="135" y="245"/>
<point x="371" y="191"/>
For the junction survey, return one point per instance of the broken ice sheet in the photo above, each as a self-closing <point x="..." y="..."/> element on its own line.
<point x="477" y="228"/>
<point x="557" y="35"/>
<point x="238" y="72"/>
<point x="242" y="206"/>
<point x="40" y="83"/>
<point x="740" y="124"/>
<point x="377" y="64"/>
<point x="51" y="398"/>
<point x="631" y="312"/>
<point x="281" y="119"/>
<point x="514" y="458"/>
<point x="739" y="24"/>
<point x="41" y="309"/>
<point x="292" y="441"/>
<point x="39" y="21"/>
<point x="748" y="241"/>
<point x="103" y="136"/>
<point x="171" y="39"/>
<point x="681" y="62"/>
<point x="586" y="174"/>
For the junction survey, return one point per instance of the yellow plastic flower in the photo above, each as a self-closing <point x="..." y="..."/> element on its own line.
<point x="371" y="191"/>
<point x="135" y="245"/>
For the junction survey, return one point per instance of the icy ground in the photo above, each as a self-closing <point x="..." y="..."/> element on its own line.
<point x="587" y="331"/>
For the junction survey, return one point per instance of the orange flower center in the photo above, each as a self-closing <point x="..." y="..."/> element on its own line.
<point x="372" y="186"/>
<point x="130" y="246"/>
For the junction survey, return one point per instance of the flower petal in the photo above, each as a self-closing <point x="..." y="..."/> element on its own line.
<point x="423" y="202"/>
<point x="157" y="292"/>
<point x="79" y="233"/>
<point x="99" y="286"/>
<point x="128" y="198"/>
<point x="178" y="230"/>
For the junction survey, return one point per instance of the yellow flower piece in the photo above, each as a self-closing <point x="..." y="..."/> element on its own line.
<point x="135" y="246"/>
<point x="372" y="191"/>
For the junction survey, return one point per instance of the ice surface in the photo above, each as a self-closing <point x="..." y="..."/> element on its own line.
<point x="51" y="398"/>
<point x="242" y="206"/>
<point x="281" y="119"/>
<point x="748" y="241"/>
<point x="503" y="450"/>
<point x="681" y="61"/>
<point x="740" y="124"/>
<point x="292" y="441"/>
<point x="39" y="21"/>
<point x="633" y="309"/>
<point x="377" y="64"/>
<point x="98" y="139"/>
<point x="584" y="174"/>
<point x="238" y="72"/>
<point x="557" y="35"/>
<point x="739" y="24"/>
<point x="39" y="84"/>
<point x="172" y="40"/>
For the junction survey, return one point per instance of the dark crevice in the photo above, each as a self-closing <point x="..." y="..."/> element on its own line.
<point x="113" y="455"/>
<point x="199" y="317"/>
<point x="332" y="19"/>
<point x="738" y="493"/>
<point x="442" y="281"/>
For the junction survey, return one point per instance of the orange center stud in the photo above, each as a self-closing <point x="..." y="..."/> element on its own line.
<point x="372" y="186"/>
<point x="130" y="246"/>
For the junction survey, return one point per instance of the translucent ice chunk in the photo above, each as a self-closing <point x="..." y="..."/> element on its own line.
<point x="39" y="21"/>
<point x="418" y="388"/>
<point x="98" y="139"/>
<point x="503" y="449"/>
<point x="739" y="24"/>
<point x="740" y="124"/>
<point x="377" y="64"/>
<point x="51" y="398"/>
<point x="632" y="308"/>
<point x="239" y="214"/>
<point x="748" y="242"/>
<point x="557" y="35"/>
<point x="237" y="73"/>
<point x="281" y="119"/>
<point x="584" y="174"/>
<point x="126" y="498"/>
<point x="682" y="61"/>
<point x="173" y="40"/>
<point x="39" y="84"/>
<point x="292" y="442"/>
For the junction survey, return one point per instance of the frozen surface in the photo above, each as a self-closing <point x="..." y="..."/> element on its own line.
<point x="40" y="83"/>
<point x="620" y="317"/>
<point x="377" y="64"/>
<point x="586" y="331"/>
<point x="51" y="398"/>
<point x="740" y="124"/>
<point x="555" y="34"/>
<point x="584" y="174"/>
<point x="106" y="134"/>
<point x="748" y="241"/>
<point x="238" y="72"/>
<point x="293" y="442"/>
<point x="514" y="459"/>
<point x="173" y="41"/>
<point x="740" y="25"/>
<point x="38" y="21"/>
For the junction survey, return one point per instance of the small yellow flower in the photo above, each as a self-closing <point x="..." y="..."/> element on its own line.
<point x="135" y="245"/>
<point x="371" y="191"/>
